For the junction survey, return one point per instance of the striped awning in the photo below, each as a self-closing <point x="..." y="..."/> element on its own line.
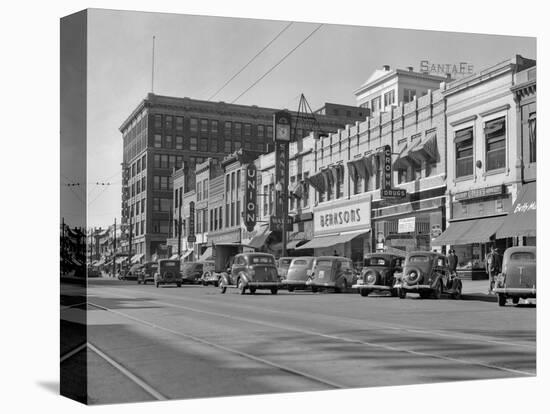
<point x="317" y="181"/>
<point x="424" y="150"/>
<point x="352" y="171"/>
<point x="359" y="165"/>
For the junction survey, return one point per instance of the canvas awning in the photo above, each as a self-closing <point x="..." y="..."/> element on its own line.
<point x="359" y="165"/>
<point x="330" y="240"/>
<point x="136" y="258"/>
<point x="352" y="170"/>
<point x="186" y="253"/>
<point x="522" y="218"/>
<point x="317" y="181"/>
<point x="425" y="150"/>
<point x="259" y="239"/>
<point x="121" y="259"/>
<point x="207" y="255"/>
<point x="402" y="161"/>
<point x="293" y="244"/>
<point x="479" y="230"/>
<point x="174" y="257"/>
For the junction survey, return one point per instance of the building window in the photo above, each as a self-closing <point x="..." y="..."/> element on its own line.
<point x="401" y="175"/>
<point x="211" y="225"/>
<point x="142" y="225"/>
<point x="227" y="146"/>
<point x="339" y="182"/>
<point x="464" y="142"/>
<point x="199" y="191"/>
<point x="237" y="130"/>
<point x="237" y="145"/>
<point x="143" y="185"/>
<point x="193" y="125"/>
<point x="247" y="130"/>
<point x="292" y="198"/>
<point x="305" y="193"/>
<point x="158" y="141"/>
<point x="408" y="95"/>
<point x="168" y="125"/>
<point x="142" y="206"/>
<point x="271" y="197"/>
<point x="214" y="145"/>
<point x="158" y="122"/>
<point x="205" y="188"/>
<point x="143" y="162"/>
<point x="375" y="104"/>
<point x="179" y="124"/>
<point x="204" y="126"/>
<point x="214" y="127"/>
<point x="389" y="98"/>
<point x="179" y="161"/>
<point x="179" y="142"/>
<point x="168" y="141"/>
<point x="495" y="144"/>
<point x="164" y="161"/>
<point x="193" y="143"/>
<point x="204" y="144"/>
<point x="261" y="131"/>
<point x="269" y="130"/>
<point x="265" y="205"/>
<point x="227" y="129"/>
<point x="532" y="124"/>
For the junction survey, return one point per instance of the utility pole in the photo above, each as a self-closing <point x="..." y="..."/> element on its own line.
<point x="179" y="229"/>
<point x="114" y="249"/>
<point x="130" y="243"/>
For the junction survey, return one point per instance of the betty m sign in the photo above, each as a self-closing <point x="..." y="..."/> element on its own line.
<point x="250" y="207"/>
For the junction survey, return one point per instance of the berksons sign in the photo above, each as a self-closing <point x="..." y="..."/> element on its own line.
<point x="353" y="215"/>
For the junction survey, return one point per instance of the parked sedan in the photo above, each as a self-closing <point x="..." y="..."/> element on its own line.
<point x="147" y="272"/>
<point x="378" y="273"/>
<point x="191" y="272"/>
<point x="251" y="271"/>
<point x="428" y="274"/>
<point x="518" y="278"/>
<point x="298" y="272"/>
<point x="282" y="266"/>
<point x="168" y="272"/>
<point x="332" y="272"/>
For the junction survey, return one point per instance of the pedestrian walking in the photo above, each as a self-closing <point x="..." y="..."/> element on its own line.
<point x="452" y="258"/>
<point x="493" y="263"/>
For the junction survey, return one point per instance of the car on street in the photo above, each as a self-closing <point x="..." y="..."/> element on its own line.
<point x="168" y="272"/>
<point x="428" y="274"/>
<point x="378" y="273"/>
<point x="251" y="271"/>
<point x="93" y="271"/>
<point x="298" y="272"/>
<point x="192" y="272"/>
<point x="332" y="272"/>
<point x="147" y="272"/>
<point x="282" y="266"/>
<point x="132" y="273"/>
<point x="518" y="279"/>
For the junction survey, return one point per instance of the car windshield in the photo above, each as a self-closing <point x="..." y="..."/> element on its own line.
<point x="169" y="264"/>
<point x="324" y="263"/>
<point x="299" y="262"/>
<point x="419" y="259"/>
<point x="376" y="261"/>
<point x="187" y="266"/>
<point x="261" y="260"/>
<point x="522" y="256"/>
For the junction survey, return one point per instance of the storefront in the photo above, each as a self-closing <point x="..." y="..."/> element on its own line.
<point x="521" y="221"/>
<point x="476" y="216"/>
<point x="341" y="228"/>
<point x="409" y="226"/>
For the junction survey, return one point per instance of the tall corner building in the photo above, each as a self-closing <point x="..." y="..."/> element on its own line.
<point x="164" y="133"/>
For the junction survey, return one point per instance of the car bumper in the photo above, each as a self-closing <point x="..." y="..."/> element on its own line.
<point x="294" y="283"/>
<point x="525" y="292"/>
<point x="264" y="285"/>
<point x="412" y="287"/>
<point x="165" y="282"/>
<point x="321" y="284"/>
<point x="371" y="287"/>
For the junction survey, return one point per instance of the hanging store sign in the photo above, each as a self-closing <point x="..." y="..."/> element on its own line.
<point x="406" y="225"/>
<point x="347" y="217"/>
<point x="191" y="238"/>
<point x="386" y="190"/>
<point x="276" y="223"/>
<point x="250" y="207"/>
<point x="480" y="193"/>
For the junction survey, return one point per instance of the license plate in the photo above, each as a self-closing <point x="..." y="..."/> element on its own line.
<point x="359" y="282"/>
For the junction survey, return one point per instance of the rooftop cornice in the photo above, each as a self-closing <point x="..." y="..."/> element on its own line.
<point x="397" y="73"/>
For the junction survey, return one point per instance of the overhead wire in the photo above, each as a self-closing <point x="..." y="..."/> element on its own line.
<point x="278" y="63"/>
<point x="251" y="60"/>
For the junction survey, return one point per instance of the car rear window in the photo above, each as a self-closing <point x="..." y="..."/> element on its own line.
<point x="285" y="261"/>
<point x="299" y="262"/>
<point x="324" y="263"/>
<point x="376" y="261"/>
<point x="419" y="259"/>
<point x="522" y="256"/>
<point x="169" y="264"/>
<point x="261" y="260"/>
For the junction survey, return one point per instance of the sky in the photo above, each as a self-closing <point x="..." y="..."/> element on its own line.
<point x="196" y="55"/>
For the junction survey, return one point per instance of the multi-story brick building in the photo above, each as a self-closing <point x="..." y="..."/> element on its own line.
<point x="166" y="133"/>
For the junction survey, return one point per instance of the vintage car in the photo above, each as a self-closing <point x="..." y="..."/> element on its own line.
<point x="191" y="272"/>
<point x="93" y="271"/>
<point x="168" y="272"/>
<point x="251" y="271"/>
<point x="147" y="272"/>
<point x="332" y="272"/>
<point x="518" y="278"/>
<point x="132" y="273"/>
<point x="298" y="272"/>
<point x="378" y="273"/>
<point x="428" y="274"/>
<point x="282" y="266"/>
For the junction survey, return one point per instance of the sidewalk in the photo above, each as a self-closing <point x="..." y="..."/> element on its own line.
<point x="477" y="290"/>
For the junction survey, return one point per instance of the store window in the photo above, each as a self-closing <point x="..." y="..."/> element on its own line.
<point x="464" y="141"/>
<point x="495" y="144"/>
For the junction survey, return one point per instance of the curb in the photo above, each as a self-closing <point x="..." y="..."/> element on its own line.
<point x="483" y="297"/>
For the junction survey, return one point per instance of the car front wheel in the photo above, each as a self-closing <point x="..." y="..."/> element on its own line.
<point x="241" y="286"/>
<point x="364" y="292"/>
<point x="274" y="291"/>
<point x="501" y="300"/>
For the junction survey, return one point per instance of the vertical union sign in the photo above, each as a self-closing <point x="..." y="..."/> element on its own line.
<point x="386" y="174"/>
<point x="191" y="235"/>
<point x="250" y="198"/>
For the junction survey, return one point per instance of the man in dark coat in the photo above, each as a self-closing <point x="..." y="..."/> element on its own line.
<point x="493" y="264"/>
<point x="452" y="258"/>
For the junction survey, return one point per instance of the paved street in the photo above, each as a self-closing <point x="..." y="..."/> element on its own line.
<point x="147" y="343"/>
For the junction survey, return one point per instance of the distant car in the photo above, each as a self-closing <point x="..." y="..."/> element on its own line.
<point x="168" y="272"/>
<point x="132" y="273"/>
<point x="147" y="272"/>
<point x="298" y="272"/>
<point x="93" y="271"/>
<point x="332" y="272"/>
<point x="282" y="266"/>
<point x="378" y="273"/>
<point x="518" y="278"/>
<point x="251" y="271"/>
<point x="191" y="272"/>
<point x="428" y="274"/>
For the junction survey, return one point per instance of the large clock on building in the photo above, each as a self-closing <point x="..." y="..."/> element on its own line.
<point x="282" y="126"/>
<point x="283" y="132"/>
